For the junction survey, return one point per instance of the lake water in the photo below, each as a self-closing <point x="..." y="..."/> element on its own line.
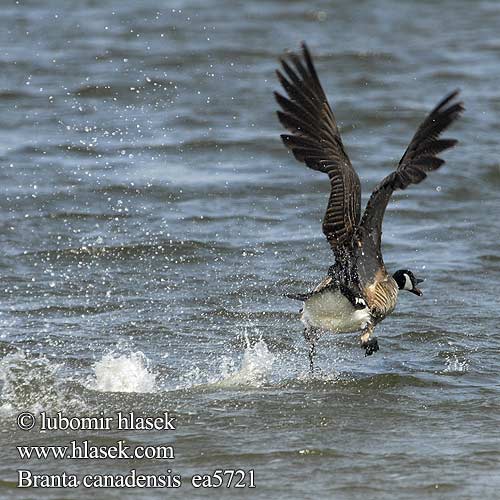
<point x="151" y="220"/>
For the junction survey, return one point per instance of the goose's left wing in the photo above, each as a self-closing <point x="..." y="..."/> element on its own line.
<point x="419" y="158"/>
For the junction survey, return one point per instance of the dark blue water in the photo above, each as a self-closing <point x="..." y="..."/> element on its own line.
<point x="151" y="219"/>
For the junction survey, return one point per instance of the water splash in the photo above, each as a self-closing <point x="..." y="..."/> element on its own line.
<point x="255" y="369"/>
<point x="456" y="364"/>
<point x="122" y="373"/>
<point x="33" y="384"/>
<point x="252" y="369"/>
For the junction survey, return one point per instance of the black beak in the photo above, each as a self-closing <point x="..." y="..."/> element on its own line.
<point x="416" y="290"/>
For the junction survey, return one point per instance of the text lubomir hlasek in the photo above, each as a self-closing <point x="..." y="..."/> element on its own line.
<point x="120" y="421"/>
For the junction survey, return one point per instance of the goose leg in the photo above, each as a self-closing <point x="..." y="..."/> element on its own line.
<point x="312" y="354"/>
<point x="368" y="342"/>
<point x="311" y="337"/>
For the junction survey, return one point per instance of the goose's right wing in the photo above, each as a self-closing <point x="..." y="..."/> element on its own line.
<point x="315" y="140"/>
<point x="419" y="158"/>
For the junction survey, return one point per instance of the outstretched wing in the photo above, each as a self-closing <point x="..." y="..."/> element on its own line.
<point x="315" y="140"/>
<point x="420" y="158"/>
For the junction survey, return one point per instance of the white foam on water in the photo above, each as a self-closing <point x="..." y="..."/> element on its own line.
<point x="251" y="369"/>
<point x="33" y="384"/>
<point x="255" y="367"/>
<point x="116" y="372"/>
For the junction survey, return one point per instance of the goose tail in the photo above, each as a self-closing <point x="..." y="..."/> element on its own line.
<point x="297" y="296"/>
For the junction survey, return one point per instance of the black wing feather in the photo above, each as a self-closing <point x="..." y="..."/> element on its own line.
<point x="315" y="140"/>
<point x="418" y="159"/>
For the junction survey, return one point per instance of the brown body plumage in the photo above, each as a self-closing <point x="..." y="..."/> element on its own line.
<point x="381" y="295"/>
<point x="358" y="279"/>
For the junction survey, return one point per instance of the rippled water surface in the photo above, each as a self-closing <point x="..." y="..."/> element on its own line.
<point x="151" y="220"/>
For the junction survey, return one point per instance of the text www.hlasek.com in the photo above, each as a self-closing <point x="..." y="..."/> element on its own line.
<point x="85" y="450"/>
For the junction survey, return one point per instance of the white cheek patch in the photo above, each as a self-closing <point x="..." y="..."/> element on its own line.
<point x="408" y="283"/>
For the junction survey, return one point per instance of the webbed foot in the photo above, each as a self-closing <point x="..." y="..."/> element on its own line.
<point x="370" y="346"/>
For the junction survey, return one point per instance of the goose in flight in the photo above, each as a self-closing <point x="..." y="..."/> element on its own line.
<point x="358" y="292"/>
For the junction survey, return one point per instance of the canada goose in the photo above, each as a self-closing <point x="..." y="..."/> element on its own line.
<point x="358" y="292"/>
